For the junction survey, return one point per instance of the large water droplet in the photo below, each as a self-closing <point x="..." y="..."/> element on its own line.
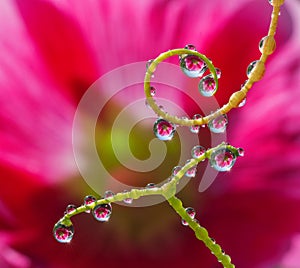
<point x="222" y="159"/>
<point x="196" y="128"/>
<point x="207" y="86"/>
<point x="191" y="212"/>
<point x="218" y="125"/>
<point x="176" y="170"/>
<point x="70" y="208"/>
<point x="163" y="129"/>
<point x="63" y="233"/>
<point x="198" y="151"/>
<point x="102" y="212"/>
<point x="192" y="66"/>
<point x="191" y="173"/>
<point x="89" y="199"/>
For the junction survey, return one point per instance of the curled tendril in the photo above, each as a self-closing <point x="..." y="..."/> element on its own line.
<point x="63" y="230"/>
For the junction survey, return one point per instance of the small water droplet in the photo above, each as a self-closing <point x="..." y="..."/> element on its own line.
<point x="196" y="128"/>
<point x="213" y="240"/>
<point x="241" y="151"/>
<point x="190" y="47"/>
<point x="242" y="103"/>
<point x="127" y="200"/>
<point x="163" y="129"/>
<point x="102" y="212"/>
<point x="276" y="2"/>
<point x="191" y="173"/>
<point x="192" y="66"/>
<point x="89" y="199"/>
<point x="150" y="185"/>
<point x="207" y="86"/>
<point x="176" y="170"/>
<point x="63" y="233"/>
<point x="191" y="212"/>
<point x="70" y="208"/>
<point x="152" y="91"/>
<point x="267" y="45"/>
<point x="218" y="72"/>
<point x="148" y="64"/>
<point x="222" y="159"/>
<point x="218" y="125"/>
<point x="108" y="194"/>
<point x="198" y="151"/>
<point x="251" y="67"/>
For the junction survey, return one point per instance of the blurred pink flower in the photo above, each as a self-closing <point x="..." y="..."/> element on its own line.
<point x="52" y="51"/>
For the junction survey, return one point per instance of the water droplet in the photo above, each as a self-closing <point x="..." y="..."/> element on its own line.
<point x="70" y="208"/>
<point x="191" y="212"/>
<point x="241" y="151"/>
<point x="222" y="159"/>
<point x="191" y="173"/>
<point x="251" y="67"/>
<point x="150" y="185"/>
<point x="218" y="125"/>
<point x="193" y="66"/>
<point x="127" y="200"/>
<point x="108" y="194"/>
<point x="242" y="103"/>
<point x="152" y="91"/>
<point x="148" y="64"/>
<point x="176" y="170"/>
<point x="256" y="70"/>
<point x="198" y="151"/>
<point x="213" y="240"/>
<point x="102" y="212"/>
<point x="89" y="199"/>
<point x="190" y="47"/>
<point x="276" y="3"/>
<point x="196" y="128"/>
<point x="267" y="45"/>
<point x="63" y="233"/>
<point x="218" y="72"/>
<point x="207" y="86"/>
<point x="163" y="129"/>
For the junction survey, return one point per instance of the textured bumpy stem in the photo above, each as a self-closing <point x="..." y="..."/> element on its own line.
<point x="237" y="97"/>
<point x="201" y="233"/>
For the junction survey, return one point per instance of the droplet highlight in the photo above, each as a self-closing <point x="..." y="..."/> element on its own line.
<point x="222" y="159"/>
<point x="63" y="233"/>
<point x="219" y="124"/>
<point x="163" y="129"/>
<point x="102" y="212"/>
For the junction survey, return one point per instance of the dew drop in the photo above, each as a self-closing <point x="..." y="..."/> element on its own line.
<point x="196" y="128"/>
<point x="218" y="72"/>
<point x="70" y="208"/>
<point x="256" y="70"/>
<point x="218" y="125"/>
<point x="242" y="103"/>
<point x="191" y="173"/>
<point x="192" y="66"/>
<point x="127" y="200"/>
<point x="150" y="185"/>
<point x="176" y="170"/>
<point x="191" y="212"/>
<point x="89" y="199"/>
<point x="63" y="233"/>
<point x="163" y="129"/>
<point x="102" y="212"/>
<point x="222" y="159"/>
<point x="198" y="151"/>
<point x="152" y="91"/>
<point x="267" y="45"/>
<point x="251" y="67"/>
<point x="108" y="194"/>
<point x="190" y="47"/>
<point x="241" y="151"/>
<point x="207" y="86"/>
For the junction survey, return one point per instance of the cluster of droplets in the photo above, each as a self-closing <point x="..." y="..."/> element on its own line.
<point x="63" y="230"/>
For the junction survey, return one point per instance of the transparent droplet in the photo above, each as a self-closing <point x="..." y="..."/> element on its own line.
<point x="89" y="199"/>
<point x="222" y="159"/>
<point x="241" y="151"/>
<point x="192" y="66"/>
<point x="150" y="185"/>
<point x="191" y="173"/>
<point x="213" y="240"/>
<point x="127" y="200"/>
<point x="276" y="2"/>
<point x="176" y="170"/>
<point x="148" y="64"/>
<point x="198" y="151"/>
<point x="152" y="91"/>
<point x="207" y="86"/>
<point x="218" y="72"/>
<point x="190" y="47"/>
<point x="218" y="125"/>
<point x="108" y="194"/>
<point x="70" y="208"/>
<point x="242" y="103"/>
<point x="63" y="233"/>
<point x="267" y="45"/>
<point x="102" y="212"/>
<point x="251" y="67"/>
<point x="191" y="212"/>
<point x="256" y="70"/>
<point x="163" y="129"/>
<point x="196" y="128"/>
